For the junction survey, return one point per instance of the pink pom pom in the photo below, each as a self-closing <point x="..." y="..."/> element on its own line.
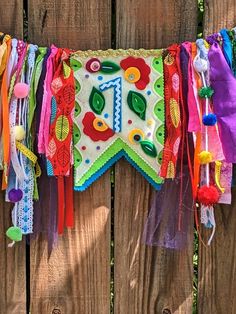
<point x="21" y="90"/>
<point x="208" y="195"/>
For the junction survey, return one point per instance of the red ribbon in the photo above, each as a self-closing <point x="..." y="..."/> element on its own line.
<point x="59" y="151"/>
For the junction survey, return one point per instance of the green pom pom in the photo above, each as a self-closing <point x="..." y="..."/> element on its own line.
<point x="205" y="92"/>
<point x="14" y="233"/>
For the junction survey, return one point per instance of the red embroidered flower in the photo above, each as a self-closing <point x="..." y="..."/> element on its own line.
<point x="93" y="65"/>
<point x="136" y="71"/>
<point x="96" y="128"/>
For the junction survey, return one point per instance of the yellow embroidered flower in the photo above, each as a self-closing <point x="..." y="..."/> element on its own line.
<point x="136" y="71"/>
<point x="135" y="136"/>
<point x="132" y="75"/>
<point x="100" y="125"/>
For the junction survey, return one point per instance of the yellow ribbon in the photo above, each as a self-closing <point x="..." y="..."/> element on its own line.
<point x="218" y="165"/>
<point x="31" y="156"/>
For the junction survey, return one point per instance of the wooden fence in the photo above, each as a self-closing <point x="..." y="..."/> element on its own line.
<point x="77" y="278"/>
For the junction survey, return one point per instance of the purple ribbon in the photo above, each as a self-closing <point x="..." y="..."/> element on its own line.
<point x="224" y="100"/>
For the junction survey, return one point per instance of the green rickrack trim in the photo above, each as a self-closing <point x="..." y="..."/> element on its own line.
<point x="159" y="109"/>
<point x="111" y="151"/>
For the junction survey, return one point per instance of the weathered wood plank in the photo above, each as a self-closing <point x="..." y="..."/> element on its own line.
<point x="12" y="267"/>
<point x="219" y="14"/>
<point x="11" y="18"/>
<point x="148" y="280"/>
<point x="75" y="24"/>
<point x="216" y="274"/>
<point x="76" y="277"/>
<point x="155" y="23"/>
<point x="12" y="260"/>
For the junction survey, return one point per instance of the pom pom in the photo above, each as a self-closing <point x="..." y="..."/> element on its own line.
<point x="209" y="119"/>
<point x="14" y="233"/>
<point x="205" y="92"/>
<point x="19" y="132"/>
<point x="200" y="65"/>
<point x="21" y="90"/>
<point x="205" y="157"/>
<point x="208" y="195"/>
<point x="15" y="195"/>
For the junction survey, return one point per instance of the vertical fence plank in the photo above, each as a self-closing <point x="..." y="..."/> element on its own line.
<point x="219" y="14"/>
<point x="216" y="274"/>
<point x="75" y="24"/>
<point x="11" y="18"/>
<point x="12" y="267"/>
<point x="76" y="277"/>
<point x="148" y="280"/>
<point x="12" y="260"/>
<point x="155" y="23"/>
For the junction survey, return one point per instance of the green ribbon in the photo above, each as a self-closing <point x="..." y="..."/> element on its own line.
<point x="231" y="35"/>
<point x="32" y="104"/>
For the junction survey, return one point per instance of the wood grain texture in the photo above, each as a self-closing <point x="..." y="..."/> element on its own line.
<point x="155" y="23"/>
<point x="217" y="266"/>
<point x="75" y="24"/>
<point x="12" y="260"/>
<point x="219" y="14"/>
<point x="11" y="18"/>
<point x="76" y="277"/>
<point x="12" y="267"/>
<point x="148" y="280"/>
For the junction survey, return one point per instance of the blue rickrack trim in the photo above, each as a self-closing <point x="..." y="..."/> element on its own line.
<point x="111" y="162"/>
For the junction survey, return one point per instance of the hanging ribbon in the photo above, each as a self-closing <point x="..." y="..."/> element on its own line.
<point x="59" y="150"/>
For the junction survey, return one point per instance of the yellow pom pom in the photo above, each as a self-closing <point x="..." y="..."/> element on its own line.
<point x="205" y="157"/>
<point x="19" y="132"/>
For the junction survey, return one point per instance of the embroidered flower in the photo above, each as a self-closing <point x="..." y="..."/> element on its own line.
<point x="96" y="128"/>
<point x="136" y="71"/>
<point x="135" y="136"/>
<point x="93" y="65"/>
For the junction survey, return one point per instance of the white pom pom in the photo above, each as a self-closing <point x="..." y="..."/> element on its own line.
<point x="200" y="65"/>
<point x="19" y="132"/>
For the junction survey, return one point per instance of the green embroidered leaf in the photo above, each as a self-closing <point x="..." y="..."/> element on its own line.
<point x="76" y="134"/>
<point x="160" y="134"/>
<point x="96" y="101"/>
<point x="75" y="64"/>
<point x="109" y="67"/>
<point x="77" y="109"/>
<point x="137" y="103"/>
<point x="149" y="148"/>
<point x="77" y="158"/>
<point x="77" y="86"/>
